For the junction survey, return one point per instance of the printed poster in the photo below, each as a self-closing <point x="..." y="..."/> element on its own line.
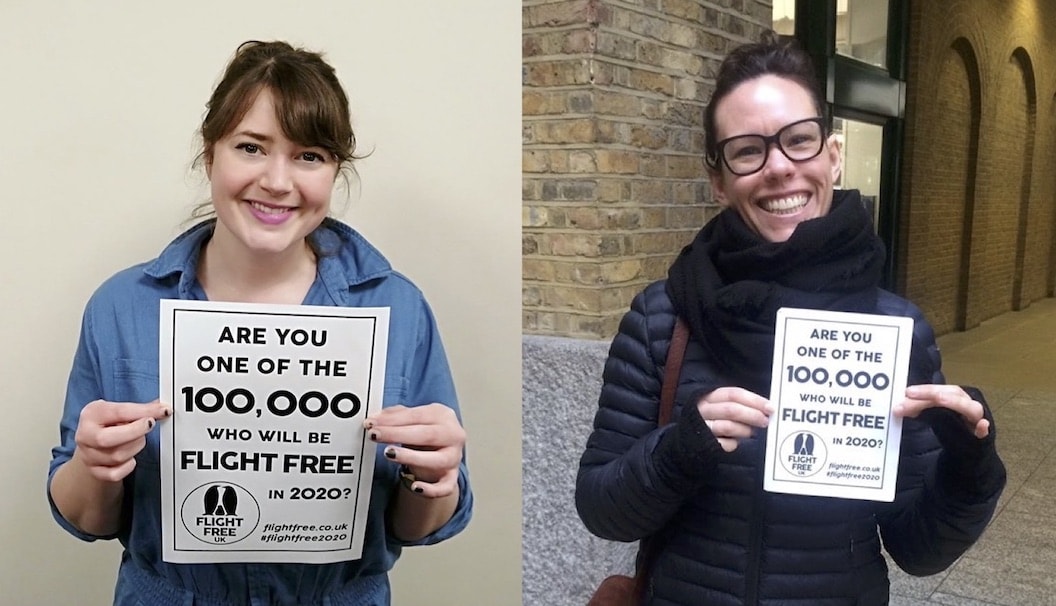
<point x="265" y="458"/>
<point x="835" y="378"/>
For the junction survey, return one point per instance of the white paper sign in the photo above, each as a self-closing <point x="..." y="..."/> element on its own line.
<point x="265" y="458"/>
<point x="835" y="378"/>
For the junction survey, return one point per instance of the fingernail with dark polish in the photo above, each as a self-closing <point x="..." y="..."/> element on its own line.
<point x="374" y="437"/>
<point x="390" y="453"/>
<point x="150" y="424"/>
<point x="418" y="489"/>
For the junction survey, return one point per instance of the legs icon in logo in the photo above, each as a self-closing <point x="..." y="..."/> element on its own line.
<point x="212" y="497"/>
<point x="230" y="501"/>
<point x="804" y="444"/>
<point x="217" y="506"/>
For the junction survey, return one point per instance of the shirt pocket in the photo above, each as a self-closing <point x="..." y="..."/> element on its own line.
<point x="137" y="381"/>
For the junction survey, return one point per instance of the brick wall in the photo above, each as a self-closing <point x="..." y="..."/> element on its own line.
<point x="614" y="185"/>
<point x="936" y="220"/>
<point x="979" y="217"/>
<point x="1046" y="186"/>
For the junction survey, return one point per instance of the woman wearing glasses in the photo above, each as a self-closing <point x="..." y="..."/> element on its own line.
<point x="784" y="239"/>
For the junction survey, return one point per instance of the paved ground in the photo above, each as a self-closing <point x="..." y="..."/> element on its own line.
<point x="1013" y="359"/>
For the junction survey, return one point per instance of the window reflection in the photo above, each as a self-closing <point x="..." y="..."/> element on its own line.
<point x="784" y="17"/>
<point x="861" y="147"/>
<point x="861" y="30"/>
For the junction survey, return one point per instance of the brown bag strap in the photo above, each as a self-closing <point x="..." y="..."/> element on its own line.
<point x="650" y="546"/>
<point x="672" y="368"/>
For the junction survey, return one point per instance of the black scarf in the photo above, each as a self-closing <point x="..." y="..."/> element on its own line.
<point x="729" y="283"/>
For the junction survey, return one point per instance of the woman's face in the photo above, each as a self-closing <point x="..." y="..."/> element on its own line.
<point x="774" y="200"/>
<point x="269" y="192"/>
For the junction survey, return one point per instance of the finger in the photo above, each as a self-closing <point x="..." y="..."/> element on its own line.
<point x="427" y="414"/>
<point x="727" y="444"/>
<point x="427" y="437"/>
<point x="103" y="413"/>
<point x="372" y="420"/>
<point x="922" y="397"/>
<point x="428" y="465"/>
<point x="159" y="410"/>
<point x="982" y="428"/>
<point x="112" y="457"/>
<point x="114" y="436"/>
<point x="430" y="427"/>
<point x="741" y="396"/>
<point x="910" y="408"/>
<point x="946" y="396"/>
<point x="733" y="411"/>
<point x="445" y="486"/>
<point x="113" y="473"/>
<point x="729" y="429"/>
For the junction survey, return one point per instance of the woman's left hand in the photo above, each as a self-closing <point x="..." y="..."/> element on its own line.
<point x="427" y="439"/>
<point x="922" y="397"/>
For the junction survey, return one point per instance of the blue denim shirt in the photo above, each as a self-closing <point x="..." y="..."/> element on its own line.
<point x="117" y="360"/>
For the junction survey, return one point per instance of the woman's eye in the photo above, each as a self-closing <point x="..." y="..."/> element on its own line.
<point x="746" y="152"/>
<point x="249" y="148"/>
<point x="313" y="157"/>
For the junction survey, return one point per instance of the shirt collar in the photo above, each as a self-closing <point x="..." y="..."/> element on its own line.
<point x="346" y="258"/>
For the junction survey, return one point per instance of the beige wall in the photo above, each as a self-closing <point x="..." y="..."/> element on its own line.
<point x="98" y="109"/>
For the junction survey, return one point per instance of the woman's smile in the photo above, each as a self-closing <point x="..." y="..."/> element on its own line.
<point x="784" y="205"/>
<point x="270" y="214"/>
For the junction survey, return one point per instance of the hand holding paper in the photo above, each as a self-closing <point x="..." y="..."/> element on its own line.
<point x="732" y="413"/>
<point x="110" y="434"/>
<point x="922" y="397"/>
<point x="88" y="488"/>
<point x="431" y="441"/>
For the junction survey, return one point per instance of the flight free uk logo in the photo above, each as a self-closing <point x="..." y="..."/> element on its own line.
<point x="803" y="453"/>
<point x="220" y="512"/>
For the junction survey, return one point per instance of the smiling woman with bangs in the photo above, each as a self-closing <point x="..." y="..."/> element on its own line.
<point x="276" y="136"/>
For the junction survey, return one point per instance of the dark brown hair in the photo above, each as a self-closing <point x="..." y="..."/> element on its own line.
<point x="770" y="56"/>
<point x="310" y="104"/>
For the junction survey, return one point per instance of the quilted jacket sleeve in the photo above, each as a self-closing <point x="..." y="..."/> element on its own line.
<point x="949" y="480"/>
<point x="633" y="475"/>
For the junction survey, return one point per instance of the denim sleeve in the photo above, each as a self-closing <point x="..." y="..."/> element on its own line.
<point x="82" y="387"/>
<point x="431" y="382"/>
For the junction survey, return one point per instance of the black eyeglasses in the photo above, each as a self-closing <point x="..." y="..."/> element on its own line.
<point x="746" y="154"/>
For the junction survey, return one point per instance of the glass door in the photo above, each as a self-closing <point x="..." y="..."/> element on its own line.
<point x="858" y="49"/>
<point x="862" y="147"/>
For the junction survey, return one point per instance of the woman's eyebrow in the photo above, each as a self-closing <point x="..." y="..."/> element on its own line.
<point x="254" y="135"/>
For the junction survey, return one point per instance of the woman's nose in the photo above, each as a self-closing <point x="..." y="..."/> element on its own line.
<point x="777" y="163"/>
<point x="277" y="178"/>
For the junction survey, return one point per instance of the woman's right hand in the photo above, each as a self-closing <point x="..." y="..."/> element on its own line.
<point x="732" y="412"/>
<point x="110" y="434"/>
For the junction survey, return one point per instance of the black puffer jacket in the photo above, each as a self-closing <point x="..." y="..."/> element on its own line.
<point x="726" y="541"/>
